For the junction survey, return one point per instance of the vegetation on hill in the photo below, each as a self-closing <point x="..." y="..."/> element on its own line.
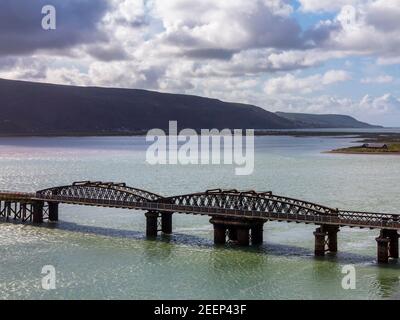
<point x="28" y="108"/>
<point x="325" y="120"/>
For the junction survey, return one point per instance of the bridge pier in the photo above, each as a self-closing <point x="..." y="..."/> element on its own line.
<point x="332" y="238"/>
<point x="53" y="211"/>
<point x="241" y="231"/>
<point x="232" y="234"/>
<point x="166" y="222"/>
<point x="7" y="207"/>
<point x="388" y="245"/>
<point x="320" y="243"/>
<point x="151" y="224"/>
<point x="243" y="236"/>
<point x="383" y="248"/>
<point x="257" y="234"/>
<point x="394" y="244"/>
<point x="219" y="234"/>
<point x="38" y="212"/>
<point x="325" y="239"/>
<point x="23" y="211"/>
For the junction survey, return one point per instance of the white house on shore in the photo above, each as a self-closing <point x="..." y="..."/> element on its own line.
<point x="375" y="146"/>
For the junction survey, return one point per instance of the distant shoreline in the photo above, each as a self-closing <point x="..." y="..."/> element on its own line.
<point x="390" y="138"/>
<point x="363" y="153"/>
<point x="366" y="136"/>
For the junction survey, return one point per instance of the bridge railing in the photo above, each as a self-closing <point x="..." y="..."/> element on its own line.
<point x="341" y="218"/>
<point x="15" y="195"/>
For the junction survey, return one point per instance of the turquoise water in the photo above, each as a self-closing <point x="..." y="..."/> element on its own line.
<point x="102" y="253"/>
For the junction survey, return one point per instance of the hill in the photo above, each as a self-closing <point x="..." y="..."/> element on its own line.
<point x="28" y="108"/>
<point x="35" y="108"/>
<point x="325" y="120"/>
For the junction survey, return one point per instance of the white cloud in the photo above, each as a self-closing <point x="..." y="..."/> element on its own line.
<point x="324" y="5"/>
<point x="227" y="25"/>
<point x="375" y="30"/>
<point x="383" y="61"/>
<point x="381" y="105"/>
<point x="378" y="79"/>
<point x="292" y="84"/>
<point x="383" y="109"/>
<point x="226" y="50"/>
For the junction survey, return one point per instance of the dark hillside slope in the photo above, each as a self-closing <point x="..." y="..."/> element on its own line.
<point x="35" y="108"/>
<point x="325" y="120"/>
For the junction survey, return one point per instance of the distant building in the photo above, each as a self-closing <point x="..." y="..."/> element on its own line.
<point x="375" y="146"/>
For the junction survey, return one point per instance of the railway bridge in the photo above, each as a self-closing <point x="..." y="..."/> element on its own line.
<point x="237" y="216"/>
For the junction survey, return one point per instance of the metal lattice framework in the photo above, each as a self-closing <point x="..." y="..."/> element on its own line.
<point x="101" y="192"/>
<point x="217" y="202"/>
<point x="249" y="201"/>
<point x="265" y="205"/>
<point x="22" y="211"/>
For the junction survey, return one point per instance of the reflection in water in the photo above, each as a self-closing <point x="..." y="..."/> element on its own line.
<point x="387" y="282"/>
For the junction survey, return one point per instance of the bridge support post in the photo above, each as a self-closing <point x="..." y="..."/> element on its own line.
<point x="23" y="211"/>
<point x="383" y="247"/>
<point x="166" y="223"/>
<point x="388" y="245"/>
<point x="320" y="242"/>
<point x="219" y="234"/>
<point x="326" y="239"/>
<point x="394" y="244"/>
<point x="238" y="231"/>
<point x="38" y="212"/>
<point x="332" y="238"/>
<point x="243" y="236"/>
<point x="232" y="234"/>
<point x="7" y="208"/>
<point x="53" y="211"/>
<point x="151" y="224"/>
<point x="257" y="234"/>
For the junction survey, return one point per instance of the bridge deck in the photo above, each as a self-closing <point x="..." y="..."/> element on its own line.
<point x="282" y="210"/>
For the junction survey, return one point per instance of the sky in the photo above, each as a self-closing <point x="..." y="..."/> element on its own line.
<point x="313" y="56"/>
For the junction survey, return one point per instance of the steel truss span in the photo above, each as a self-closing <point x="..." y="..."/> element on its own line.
<point x="237" y="215"/>
<point x="101" y="191"/>
<point x="216" y="202"/>
<point x="266" y="205"/>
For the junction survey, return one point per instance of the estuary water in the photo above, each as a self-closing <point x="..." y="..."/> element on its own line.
<point x="103" y="254"/>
